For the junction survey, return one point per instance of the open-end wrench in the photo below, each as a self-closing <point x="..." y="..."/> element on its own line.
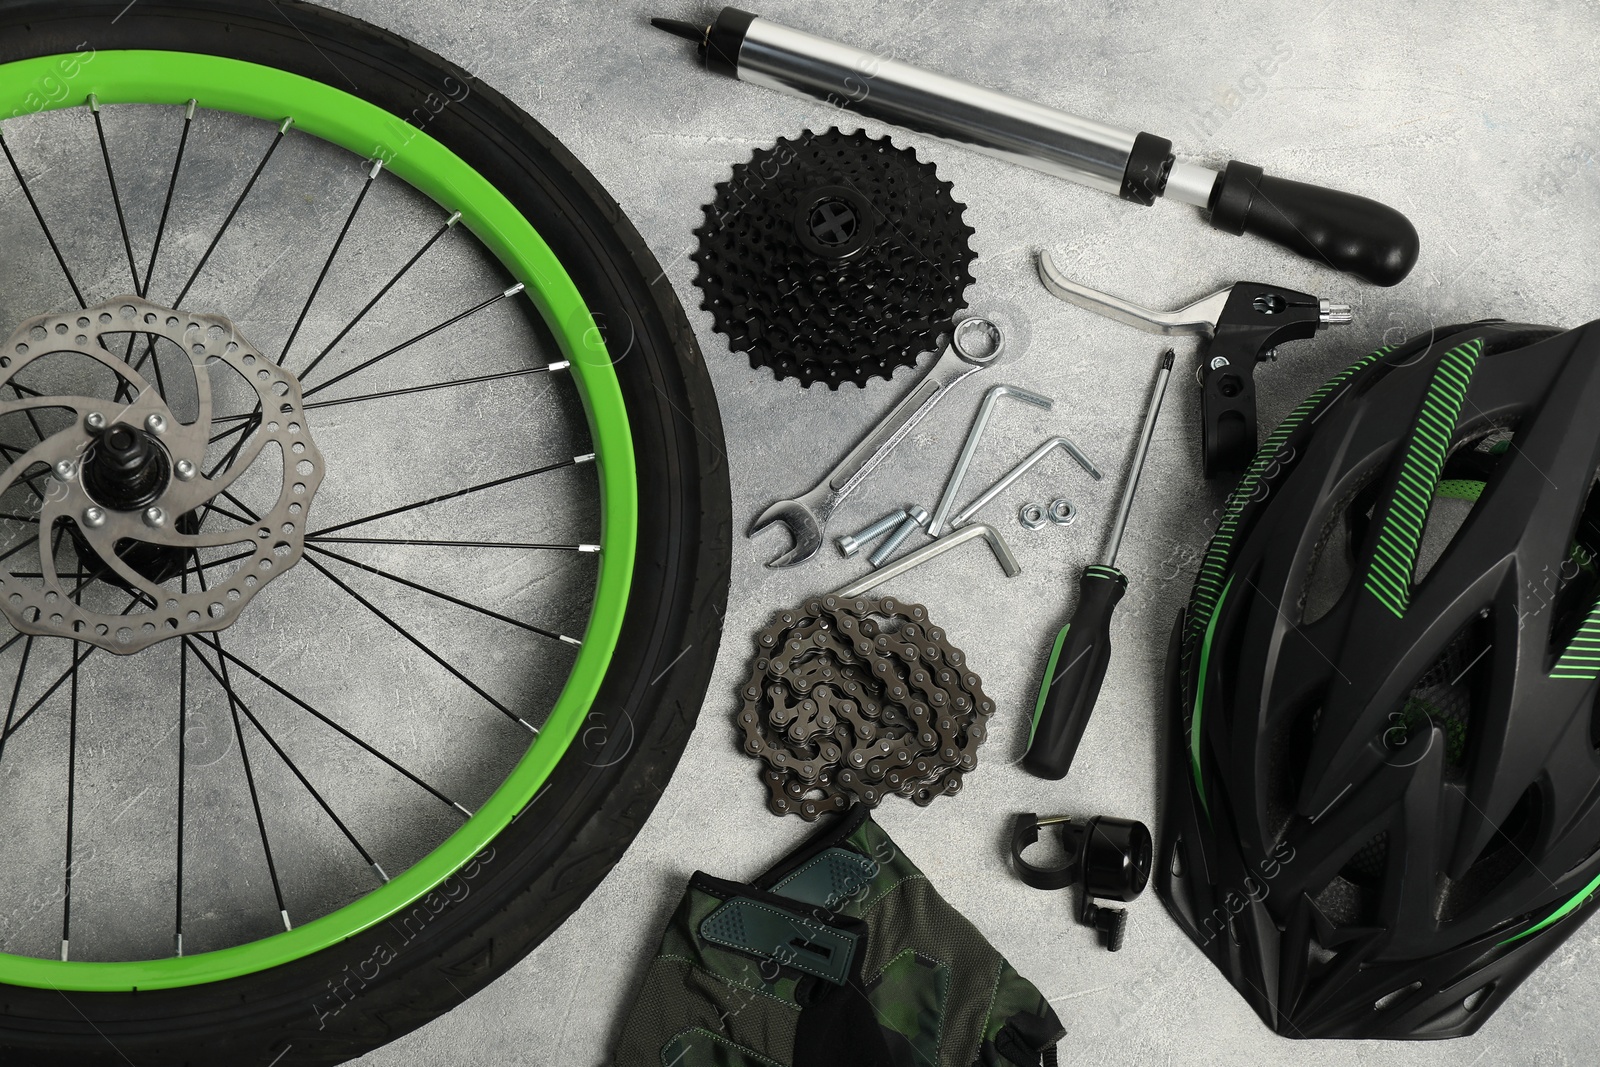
<point x="975" y="343"/>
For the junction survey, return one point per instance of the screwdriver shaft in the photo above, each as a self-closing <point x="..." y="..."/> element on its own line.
<point x="1121" y="522"/>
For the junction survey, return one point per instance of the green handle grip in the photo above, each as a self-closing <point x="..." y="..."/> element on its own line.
<point x="1072" y="678"/>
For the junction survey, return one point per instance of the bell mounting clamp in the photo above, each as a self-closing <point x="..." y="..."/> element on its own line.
<point x="1106" y="857"/>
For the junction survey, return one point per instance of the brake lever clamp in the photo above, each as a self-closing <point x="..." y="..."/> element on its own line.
<point x="1243" y="324"/>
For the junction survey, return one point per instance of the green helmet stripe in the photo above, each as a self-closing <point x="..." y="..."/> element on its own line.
<point x="1401" y="525"/>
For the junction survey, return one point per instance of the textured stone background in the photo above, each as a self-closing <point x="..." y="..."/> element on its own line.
<point x="1477" y="119"/>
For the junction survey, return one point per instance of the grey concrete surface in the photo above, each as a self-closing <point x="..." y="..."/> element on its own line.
<point x="1477" y="119"/>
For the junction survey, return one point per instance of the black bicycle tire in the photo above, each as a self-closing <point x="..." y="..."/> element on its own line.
<point x="541" y="867"/>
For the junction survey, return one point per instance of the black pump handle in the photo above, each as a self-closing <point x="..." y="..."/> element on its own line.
<point x="1340" y="230"/>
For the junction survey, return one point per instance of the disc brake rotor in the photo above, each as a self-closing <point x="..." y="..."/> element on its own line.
<point x="834" y="257"/>
<point x="127" y="479"/>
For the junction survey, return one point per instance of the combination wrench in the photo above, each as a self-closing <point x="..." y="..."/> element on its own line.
<point x="975" y="343"/>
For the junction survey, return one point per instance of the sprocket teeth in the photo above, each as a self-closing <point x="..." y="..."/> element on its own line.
<point x="827" y="318"/>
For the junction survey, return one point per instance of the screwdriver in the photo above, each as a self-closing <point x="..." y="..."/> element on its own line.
<point x="1082" y="650"/>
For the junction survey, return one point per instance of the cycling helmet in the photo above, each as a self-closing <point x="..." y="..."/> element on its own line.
<point x="1384" y="802"/>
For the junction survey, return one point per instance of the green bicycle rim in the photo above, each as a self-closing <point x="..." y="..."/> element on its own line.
<point x="411" y="154"/>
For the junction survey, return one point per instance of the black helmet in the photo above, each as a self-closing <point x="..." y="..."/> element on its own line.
<point x="1384" y="802"/>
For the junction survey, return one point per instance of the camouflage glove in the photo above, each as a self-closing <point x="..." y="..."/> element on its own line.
<point x="842" y="955"/>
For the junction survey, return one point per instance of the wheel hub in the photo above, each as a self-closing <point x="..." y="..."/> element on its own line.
<point x="127" y="483"/>
<point x="126" y="469"/>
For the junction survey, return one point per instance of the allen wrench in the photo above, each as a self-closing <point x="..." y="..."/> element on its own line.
<point x="947" y="502"/>
<point x="1019" y="470"/>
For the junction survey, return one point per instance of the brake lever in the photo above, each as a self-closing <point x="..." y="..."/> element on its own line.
<point x="1241" y="325"/>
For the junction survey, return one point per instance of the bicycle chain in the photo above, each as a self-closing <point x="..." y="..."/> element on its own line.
<point x="841" y="707"/>
<point x="834" y="257"/>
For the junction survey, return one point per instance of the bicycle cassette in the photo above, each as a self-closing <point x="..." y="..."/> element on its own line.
<point x="851" y="700"/>
<point x="834" y="257"/>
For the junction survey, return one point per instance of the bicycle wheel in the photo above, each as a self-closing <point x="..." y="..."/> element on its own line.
<point x="363" y="535"/>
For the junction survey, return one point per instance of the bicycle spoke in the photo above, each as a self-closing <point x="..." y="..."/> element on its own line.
<point x="116" y="197"/>
<point x="123" y="389"/>
<point x="19" y="547"/>
<point x="574" y="461"/>
<point x="30" y="480"/>
<point x="423" y="336"/>
<point x="305" y="309"/>
<point x="255" y="802"/>
<point x="223" y="680"/>
<point x="48" y="236"/>
<point x="213" y="507"/>
<point x="233" y="452"/>
<point x="16" y="692"/>
<point x="72" y="776"/>
<point x="390" y="284"/>
<point x="541" y="631"/>
<point x="72" y="792"/>
<point x="559" y="365"/>
<point x="183" y="755"/>
<point x="199" y="567"/>
<point x="246" y="423"/>
<point x="65" y="677"/>
<point x="522" y="545"/>
<point x="66" y="674"/>
<point x="249" y="776"/>
<point x="32" y="414"/>
<point x="155" y="367"/>
<point x="283" y="129"/>
<point x="430" y="653"/>
<point x="166" y="207"/>
<point x="286" y="694"/>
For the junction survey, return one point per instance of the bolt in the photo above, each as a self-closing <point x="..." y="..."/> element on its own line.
<point x="154" y="422"/>
<point x="66" y="470"/>
<point x="155" y="517"/>
<point x="93" y="517"/>
<point x="184" y="469"/>
<point x="852" y="544"/>
<point x="916" y="515"/>
<point x="95" y="421"/>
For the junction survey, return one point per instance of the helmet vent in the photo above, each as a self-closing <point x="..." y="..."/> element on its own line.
<point x="1351" y="898"/>
<point x="1446" y="515"/>
<point x="1332" y="564"/>
<point x="1391" y="998"/>
<point x="1462" y="481"/>
<point x="1329" y="572"/>
<point x="1446" y="696"/>
<point x="1365" y="868"/>
<point x="1513" y="842"/>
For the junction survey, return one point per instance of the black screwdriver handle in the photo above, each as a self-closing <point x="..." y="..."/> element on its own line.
<point x="1339" y="230"/>
<point x="1072" y="678"/>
